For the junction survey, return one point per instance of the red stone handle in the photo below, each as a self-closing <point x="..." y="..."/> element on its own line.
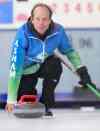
<point x="28" y="99"/>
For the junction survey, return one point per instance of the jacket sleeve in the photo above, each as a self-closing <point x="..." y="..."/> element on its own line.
<point x="16" y="65"/>
<point x="65" y="47"/>
<point x="64" y="42"/>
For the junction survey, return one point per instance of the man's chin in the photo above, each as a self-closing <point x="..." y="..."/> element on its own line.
<point x="41" y="31"/>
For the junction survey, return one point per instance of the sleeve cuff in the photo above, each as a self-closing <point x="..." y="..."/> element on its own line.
<point x="11" y="102"/>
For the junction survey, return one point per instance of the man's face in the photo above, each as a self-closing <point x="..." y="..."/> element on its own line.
<point x="41" y="19"/>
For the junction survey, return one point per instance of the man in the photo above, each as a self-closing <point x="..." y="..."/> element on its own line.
<point x="33" y="57"/>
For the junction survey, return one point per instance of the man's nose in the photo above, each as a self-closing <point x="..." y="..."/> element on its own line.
<point x="41" y="21"/>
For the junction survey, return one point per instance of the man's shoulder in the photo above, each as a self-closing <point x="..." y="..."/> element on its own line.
<point x="22" y="27"/>
<point x="58" y="27"/>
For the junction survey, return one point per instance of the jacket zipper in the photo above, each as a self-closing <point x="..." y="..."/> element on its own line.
<point x="43" y="43"/>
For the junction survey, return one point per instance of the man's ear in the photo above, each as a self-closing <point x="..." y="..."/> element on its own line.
<point x="31" y="18"/>
<point x="50" y="21"/>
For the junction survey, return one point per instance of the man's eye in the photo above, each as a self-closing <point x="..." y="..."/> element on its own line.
<point x="37" y="19"/>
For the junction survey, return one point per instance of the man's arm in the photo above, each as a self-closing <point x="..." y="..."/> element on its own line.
<point x="65" y="47"/>
<point x="16" y="66"/>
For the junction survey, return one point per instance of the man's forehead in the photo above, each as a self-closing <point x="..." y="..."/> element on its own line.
<point x="41" y="9"/>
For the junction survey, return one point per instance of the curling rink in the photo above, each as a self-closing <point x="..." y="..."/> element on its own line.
<point x="63" y="120"/>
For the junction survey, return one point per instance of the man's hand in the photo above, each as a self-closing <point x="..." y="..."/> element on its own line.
<point x="9" y="107"/>
<point x="84" y="76"/>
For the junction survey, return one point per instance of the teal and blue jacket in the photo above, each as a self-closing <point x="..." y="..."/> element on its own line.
<point x="29" y="52"/>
